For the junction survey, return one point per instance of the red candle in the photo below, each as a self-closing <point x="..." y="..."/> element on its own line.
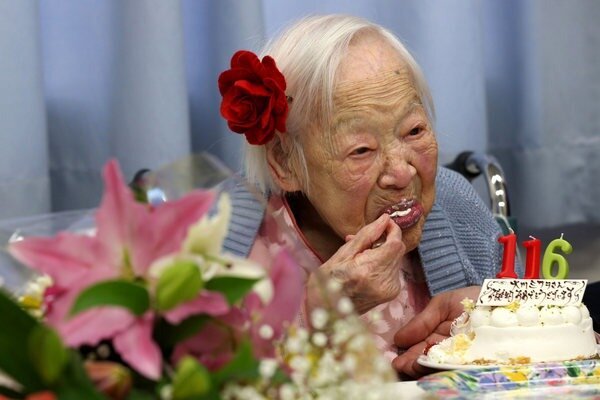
<point x="508" y="258"/>
<point x="532" y="260"/>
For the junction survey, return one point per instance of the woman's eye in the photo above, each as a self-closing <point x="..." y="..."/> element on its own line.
<point x="415" y="131"/>
<point x="360" y="151"/>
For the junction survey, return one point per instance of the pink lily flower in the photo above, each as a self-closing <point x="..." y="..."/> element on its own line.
<point x="129" y="237"/>
<point x="207" y="302"/>
<point x="214" y="346"/>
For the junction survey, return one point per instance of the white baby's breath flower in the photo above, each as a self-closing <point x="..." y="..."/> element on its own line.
<point x="349" y="363"/>
<point x="349" y="335"/>
<point x="250" y="393"/>
<point x="267" y="367"/>
<point x="300" y="364"/>
<point x="319" y="339"/>
<point x="328" y="371"/>
<point x="345" y="305"/>
<point x="166" y="392"/>
<point x="328" y="359"/>
<point x="319" y="318"/>
<point x="265" y="331"/>
<point x="302" y="334"/>
<point x="234" y="391"/>
<point x="329" y="395"/>
<point x="342" y="331"/>
<point x="287" y="392"/>
<point x="294" y="345"/>
<point x="358" y="342"/>
<point x="298" y="377"/>
<point x="271" y="392"/>
<point x="333" y="286"/>
<point x="228" y="392"/>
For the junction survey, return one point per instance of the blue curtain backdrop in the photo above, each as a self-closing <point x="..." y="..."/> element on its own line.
<point x="83" y="81"/>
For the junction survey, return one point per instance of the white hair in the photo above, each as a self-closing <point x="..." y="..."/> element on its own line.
<point x="308" y="54"/>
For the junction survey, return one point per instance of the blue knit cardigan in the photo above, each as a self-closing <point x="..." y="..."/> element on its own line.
<point x="458" y="246"/>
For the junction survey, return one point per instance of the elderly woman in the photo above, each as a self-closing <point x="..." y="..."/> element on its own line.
<point x="339" y="124"/>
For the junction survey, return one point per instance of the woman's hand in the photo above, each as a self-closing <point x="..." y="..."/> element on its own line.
<point x="368" y="276"/>
<point x="427" y="328"/>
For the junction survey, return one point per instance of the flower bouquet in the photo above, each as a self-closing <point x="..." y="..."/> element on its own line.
<point x="145" y="305"/>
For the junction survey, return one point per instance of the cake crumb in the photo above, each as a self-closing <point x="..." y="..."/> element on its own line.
<point x="514" y="306"/>
<point x="468" y="304"/>
<point x="520" y="360"/>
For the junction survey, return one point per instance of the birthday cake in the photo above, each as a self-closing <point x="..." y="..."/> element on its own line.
<point x="520" y="332"/>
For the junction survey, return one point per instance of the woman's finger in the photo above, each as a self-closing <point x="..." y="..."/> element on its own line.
<point x="391" y="241"/>
<point x="368" y="234"/>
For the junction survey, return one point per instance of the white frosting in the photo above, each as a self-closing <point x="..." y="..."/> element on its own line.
<point x="503" y="317"/>
<point x="530" y="333"/>
<point x="551" y="316"/>
<point x="480" y="317"/>
<point x="585" y="313"/>
<point x="528" y="316"/>
<point x="572" y="314"/>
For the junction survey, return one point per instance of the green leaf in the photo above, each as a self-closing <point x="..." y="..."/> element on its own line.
<point x="233" y="288"/>
<point x="244" y="366"/>
<point x="169" y="335"/>
<point x="47" y="353"/>
<point x="9" y="393"/>
<point x="178" y="283"/>
<point x="14" y="335"/>
<point x="127" y="294"/>
<point x="136" y="394"/>
<point x="192" y="380"/>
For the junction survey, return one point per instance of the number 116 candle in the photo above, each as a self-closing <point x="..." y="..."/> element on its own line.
<point x="551" y="257"/>
<point x="508" y="257"/>
<point x="532" y="260"/>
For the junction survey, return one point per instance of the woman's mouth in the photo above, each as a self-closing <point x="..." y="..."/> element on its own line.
<point x="405" y="213"/>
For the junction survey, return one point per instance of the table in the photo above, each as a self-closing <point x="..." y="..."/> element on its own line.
<point x="410" y="390"/>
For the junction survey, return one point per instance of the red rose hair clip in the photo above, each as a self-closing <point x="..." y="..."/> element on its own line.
<point x="254" y="101"/>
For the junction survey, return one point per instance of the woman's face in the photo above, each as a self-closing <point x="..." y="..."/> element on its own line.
<point x="381" y="156"/>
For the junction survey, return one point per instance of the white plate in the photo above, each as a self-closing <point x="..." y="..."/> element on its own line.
<point x="424" y="361"/>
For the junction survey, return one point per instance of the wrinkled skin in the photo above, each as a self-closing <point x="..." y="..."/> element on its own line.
<point x="382" y="149"/>
<point x="381" y="153"/>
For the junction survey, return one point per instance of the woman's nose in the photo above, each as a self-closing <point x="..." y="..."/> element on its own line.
<point x="398" y="171"/>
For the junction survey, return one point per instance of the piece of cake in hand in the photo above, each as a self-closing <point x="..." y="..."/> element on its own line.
<point x="520" y="332"/>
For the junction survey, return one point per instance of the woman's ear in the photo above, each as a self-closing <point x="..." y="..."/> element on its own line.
<point x="280" y="167"/>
